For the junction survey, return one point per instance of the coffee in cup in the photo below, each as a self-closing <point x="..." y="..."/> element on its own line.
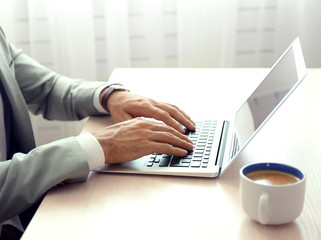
<point x="272" y="193"/>
<point x="272" y="177"/>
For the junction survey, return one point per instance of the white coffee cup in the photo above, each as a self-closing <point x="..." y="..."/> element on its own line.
<point x="272" y="193"/>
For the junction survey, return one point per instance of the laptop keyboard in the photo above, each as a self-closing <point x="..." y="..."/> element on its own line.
<point x="199" y="157"/>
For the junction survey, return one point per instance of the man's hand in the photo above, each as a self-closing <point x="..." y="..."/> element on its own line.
<point x="124" y="106"/>
<point x="138" y="137"/>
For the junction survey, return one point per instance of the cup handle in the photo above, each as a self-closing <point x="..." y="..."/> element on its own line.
<point x="263" y="208"/>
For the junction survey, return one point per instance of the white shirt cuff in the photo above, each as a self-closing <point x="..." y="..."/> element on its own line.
<point x="92" y="149"/>
<point x="96" y="101"/>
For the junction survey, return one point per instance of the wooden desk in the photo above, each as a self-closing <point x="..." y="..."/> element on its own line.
<point x="111" y="206"/>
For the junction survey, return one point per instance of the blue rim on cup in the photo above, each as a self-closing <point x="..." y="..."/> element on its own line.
<point x="273" y="166"/>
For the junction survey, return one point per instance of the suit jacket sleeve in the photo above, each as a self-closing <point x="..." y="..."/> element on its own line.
<point x="54" y="96"/>
<point x="26" y="177"/>
<point x="32" y="171"/>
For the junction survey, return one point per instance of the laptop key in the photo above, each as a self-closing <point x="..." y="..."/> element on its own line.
<point x="186" y="160"/>
<point x="176" y="160"/>
<point x="164" y="162"/>
<point x="198" y="155"/>
<point x="180" y="165"/>
<point x="197" y="158"/>
<point x="158" y="158"/>
<point x="204" y="165"/>
<point x="196" y="164"/>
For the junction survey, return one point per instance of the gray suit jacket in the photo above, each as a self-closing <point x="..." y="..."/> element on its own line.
<point x="30" y="172"/>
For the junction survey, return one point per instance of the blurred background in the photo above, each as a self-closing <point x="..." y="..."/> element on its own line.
<point x="89" y="38"/>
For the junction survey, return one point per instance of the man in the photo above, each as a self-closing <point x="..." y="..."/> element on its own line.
<point x="27" y="172"/>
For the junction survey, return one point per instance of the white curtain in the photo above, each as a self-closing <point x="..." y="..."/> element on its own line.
<point x="246" y="33"/>
<point x="89" y="38"/>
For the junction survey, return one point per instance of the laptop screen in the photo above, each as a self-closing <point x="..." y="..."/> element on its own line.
<point x="283" y="77"/>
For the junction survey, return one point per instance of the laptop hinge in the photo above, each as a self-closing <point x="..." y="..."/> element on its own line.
<point x="221" y="150"/>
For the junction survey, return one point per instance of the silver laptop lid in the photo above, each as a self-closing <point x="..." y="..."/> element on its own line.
<point x="284" y="76"/>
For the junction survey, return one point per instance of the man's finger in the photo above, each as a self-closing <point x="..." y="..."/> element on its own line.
<point x="178" y="115"/>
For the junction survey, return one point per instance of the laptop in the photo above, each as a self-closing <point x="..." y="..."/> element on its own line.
<point x="217" y="143"/>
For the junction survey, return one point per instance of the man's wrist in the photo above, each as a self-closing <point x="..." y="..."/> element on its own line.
<point x="106" y="93"/>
